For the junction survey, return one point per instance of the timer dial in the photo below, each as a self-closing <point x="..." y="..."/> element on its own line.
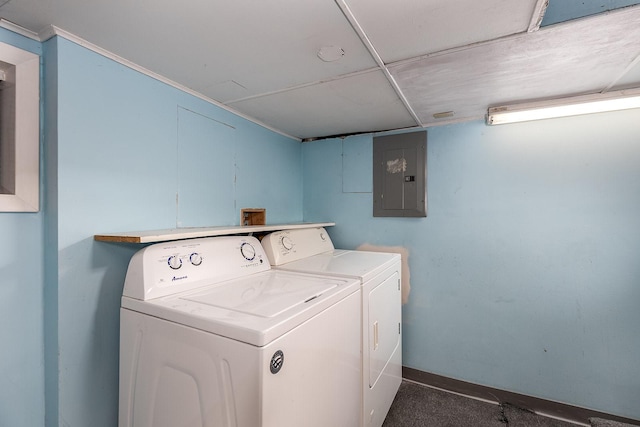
<point x="248" y="251"/>
<point x="174" y="262"/>
<point x="287" y="243"/>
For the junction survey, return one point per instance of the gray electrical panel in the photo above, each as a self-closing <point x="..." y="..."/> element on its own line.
<point x="400" y="174"/>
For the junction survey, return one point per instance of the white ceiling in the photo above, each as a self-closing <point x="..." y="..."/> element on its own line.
<point x="403" y="62"/>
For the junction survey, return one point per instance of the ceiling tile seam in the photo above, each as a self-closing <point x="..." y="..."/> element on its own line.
<point x="55" y="31"/>
<point x="303" y="85"/>
<point x="346" y="11"/>
<point x="629" y="67"/>
<point x="457" y="49"/>
<point x="538" y="15"/>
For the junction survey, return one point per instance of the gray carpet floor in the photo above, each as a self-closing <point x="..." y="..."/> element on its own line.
<point x="416" y="405"/>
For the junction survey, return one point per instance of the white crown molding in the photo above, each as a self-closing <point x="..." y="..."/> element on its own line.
<point x="8" y="25"/>
<point x="52" y="31"/>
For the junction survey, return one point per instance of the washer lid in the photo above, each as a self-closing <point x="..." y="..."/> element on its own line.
<point x="256" y="309"/>
<point x="357" y="264"/>
<point x="264" y="296"/>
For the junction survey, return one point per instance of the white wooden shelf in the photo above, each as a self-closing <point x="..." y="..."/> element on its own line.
<point x="151" y="236"/>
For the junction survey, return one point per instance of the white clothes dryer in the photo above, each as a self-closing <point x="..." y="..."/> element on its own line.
<point x="311" y="250"/>
<point x="211" y="336"/>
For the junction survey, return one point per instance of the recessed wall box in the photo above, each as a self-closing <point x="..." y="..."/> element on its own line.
<point x="399" y="175"/>
<point x="253" y="216"/>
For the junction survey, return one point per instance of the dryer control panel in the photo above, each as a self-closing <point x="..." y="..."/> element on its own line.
<point x="171" y="267"/>
<point x="285" y="246"/>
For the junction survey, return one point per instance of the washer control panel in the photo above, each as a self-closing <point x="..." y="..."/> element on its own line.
<point x="285" y="246"/>
<point x="170" y="267"/>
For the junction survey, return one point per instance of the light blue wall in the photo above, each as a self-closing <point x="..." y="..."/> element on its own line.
<point x="562" y="10"/>
<point x="118" y="160"/>
<point x="21" y="320"/>
<point x="21" y="301"/>
<point x="525" y="273"/>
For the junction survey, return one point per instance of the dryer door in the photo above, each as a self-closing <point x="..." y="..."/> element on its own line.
<point x="384" y="325"/>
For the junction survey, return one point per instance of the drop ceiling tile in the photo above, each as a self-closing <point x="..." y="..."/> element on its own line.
<point x="359" y="103"/>
<point x="631" y="77"/>
<point x="580" y="56"/>
<point x="31" y="14"/>
<point x="410" y="28"/>
<point x="262" y="46"/>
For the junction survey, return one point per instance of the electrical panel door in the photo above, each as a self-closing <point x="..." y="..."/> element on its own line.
<point x="399" y="175"/>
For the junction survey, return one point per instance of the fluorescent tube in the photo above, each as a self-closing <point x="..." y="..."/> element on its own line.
<point x="548" y="109"/>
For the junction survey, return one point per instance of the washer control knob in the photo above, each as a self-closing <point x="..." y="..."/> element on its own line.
<point x="195" y="258"/>
<point x="287" y="244"/>
<point x="174" y="262"/>
<point x="248" y="251"/>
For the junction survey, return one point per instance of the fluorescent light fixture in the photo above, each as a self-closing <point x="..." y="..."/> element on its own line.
<point x="573" y="106"/>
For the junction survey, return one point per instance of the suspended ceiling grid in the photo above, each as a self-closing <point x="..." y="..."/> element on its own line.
<point x="402" y="63"/>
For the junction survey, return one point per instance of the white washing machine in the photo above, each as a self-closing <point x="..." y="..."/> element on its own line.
<point x="311" y="250"/>
<point x="211" y="336"/>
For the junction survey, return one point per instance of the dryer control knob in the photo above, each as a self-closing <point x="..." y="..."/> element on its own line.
<point x="174" y="262"/>
<point x="287" y="243"/>
<point x="248" y="251"/>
